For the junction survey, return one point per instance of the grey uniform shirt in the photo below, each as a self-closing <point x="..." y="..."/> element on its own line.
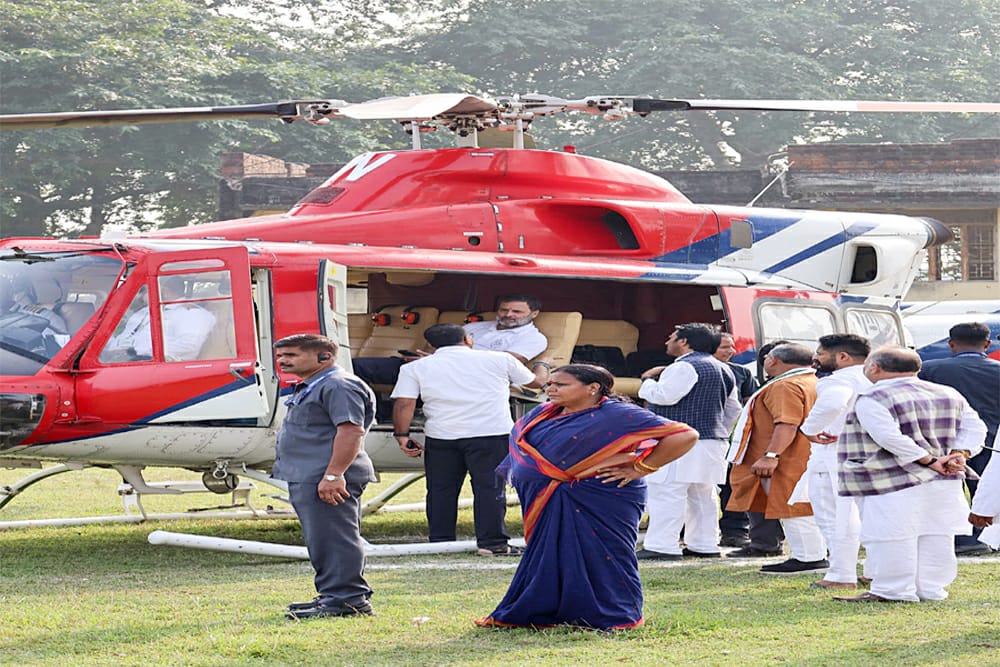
<point x="305" y="441"/>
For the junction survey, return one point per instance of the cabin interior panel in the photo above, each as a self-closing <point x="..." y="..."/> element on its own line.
<point x="655" y="308"/>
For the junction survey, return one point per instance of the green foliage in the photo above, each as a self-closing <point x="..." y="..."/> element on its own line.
<point x="58" y="55"/>
<point x="797" y="49"/>
<point x="110" y="54"/>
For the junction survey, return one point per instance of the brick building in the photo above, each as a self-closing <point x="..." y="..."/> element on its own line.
<point x="957" y="183"/>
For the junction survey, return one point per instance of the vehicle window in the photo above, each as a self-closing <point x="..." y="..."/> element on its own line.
<point x="878" y="326"/>
<point x="196" y="321"/>
<point x="794" y="322"/>
<point x="357" y="300"/>
<point x="45" y="298"/>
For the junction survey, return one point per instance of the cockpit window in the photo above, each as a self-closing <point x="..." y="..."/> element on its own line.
<point x="195" y="321"/>
<point x="45" y="299"/>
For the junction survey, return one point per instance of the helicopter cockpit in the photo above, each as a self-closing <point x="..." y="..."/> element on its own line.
<point x="45" y="298"/>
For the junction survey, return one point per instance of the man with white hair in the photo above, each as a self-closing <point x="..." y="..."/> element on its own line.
<point x="902" y="455"/>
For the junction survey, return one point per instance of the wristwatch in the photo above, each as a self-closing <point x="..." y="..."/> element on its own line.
<point x="333" y="478"/>
<point x="771" y="455"/>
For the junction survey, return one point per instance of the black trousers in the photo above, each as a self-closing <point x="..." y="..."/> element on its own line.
<point x="446" y="463"/>
<point x="731" y="524"/>
<point x="765" y="534"/>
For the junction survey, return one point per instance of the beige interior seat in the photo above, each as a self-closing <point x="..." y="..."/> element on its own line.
<point x="359" y="327"/>
<point x="562" y="330"/>
<point x="613" y="333"/>
<point x="221" y="341"/>
<point x="387" y="340"/>
<point x="456" y="317"/>
<point x="75" y="314"/>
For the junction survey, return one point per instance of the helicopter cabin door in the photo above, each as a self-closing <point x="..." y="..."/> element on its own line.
<point x="333" y="305"/>
<point x="178" y="344"/>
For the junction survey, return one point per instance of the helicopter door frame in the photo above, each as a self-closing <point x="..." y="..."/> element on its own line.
<point x="267" y="375"/>
<point x="221" y="385"/>
<point x="332" y="303"/>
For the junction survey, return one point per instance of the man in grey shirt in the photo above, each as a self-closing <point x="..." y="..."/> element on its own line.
<point x="321" y="457"/>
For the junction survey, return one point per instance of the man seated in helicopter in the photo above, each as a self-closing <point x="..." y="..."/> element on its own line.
<point x="19" y="309"/>
<point x="513" y="332"/>
<point x="186" y="327"/>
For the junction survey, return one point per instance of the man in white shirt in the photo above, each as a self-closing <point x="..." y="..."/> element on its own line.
<point x="513" y="331"/>
<point x="986" y="503"/>
<point x="902" y="455"/>
<point x="186" y="327"/>
<point x="842" y="358"/>
<point x="700" y="391"/>
<point x="467" y="415"/>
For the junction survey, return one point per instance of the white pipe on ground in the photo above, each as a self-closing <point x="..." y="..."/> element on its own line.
<point x="138" y="518"/>
<point x="289" y="551"/>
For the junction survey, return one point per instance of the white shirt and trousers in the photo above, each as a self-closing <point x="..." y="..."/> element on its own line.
<point x="684" y="493"/>
<point x="466" y="396"/>
<point x="837" y="516"/>
<point x="185" y="330"/>
<point x="909" y="534"/>
<point x="986" y="502"/>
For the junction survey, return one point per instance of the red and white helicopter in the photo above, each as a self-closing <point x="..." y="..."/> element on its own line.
<point x="392" y="243"/>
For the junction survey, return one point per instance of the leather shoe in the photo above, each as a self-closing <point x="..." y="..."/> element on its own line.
<point x="734" y="541"/>
<point x="978" y="549"/>
<point x="331" y="610"/>
<point x="297" y="606"/>
<point x="699" y="554"/>
<point x="751" y="552"/>
<point x="867" y="596"/>
<point x="646" y="554"/>
<point x="823" y="583"/>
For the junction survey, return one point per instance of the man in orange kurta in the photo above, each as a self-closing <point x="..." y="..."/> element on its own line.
<point x="776" y="454"/>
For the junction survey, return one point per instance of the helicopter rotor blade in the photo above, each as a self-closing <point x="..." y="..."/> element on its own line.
<point x="447" y="107"/>
<point x="646" y="105"/>
<point x="420" y="107"/>
<point x="287" y="111"/>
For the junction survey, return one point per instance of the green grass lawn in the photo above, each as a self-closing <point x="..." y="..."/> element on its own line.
<point x="100" y="595"/>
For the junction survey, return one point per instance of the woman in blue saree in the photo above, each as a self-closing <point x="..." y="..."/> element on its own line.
<point x="577" y="463"/>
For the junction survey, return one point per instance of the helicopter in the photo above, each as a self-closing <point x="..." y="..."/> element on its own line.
<point x="396" y="241"/>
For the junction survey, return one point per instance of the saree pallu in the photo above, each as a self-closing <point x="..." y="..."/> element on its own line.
<point x="579" y="567"/>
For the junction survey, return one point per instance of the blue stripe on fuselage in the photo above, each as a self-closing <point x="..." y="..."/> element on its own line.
<point x="710" y="249"/>
<point x="225" y="389"/>
<point x="857" y="229"/>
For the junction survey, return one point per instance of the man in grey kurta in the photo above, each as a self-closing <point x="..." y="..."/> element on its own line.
<point x="321" y="457"/>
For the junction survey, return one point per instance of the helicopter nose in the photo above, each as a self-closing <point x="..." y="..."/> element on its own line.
<point x="20" y="414"/>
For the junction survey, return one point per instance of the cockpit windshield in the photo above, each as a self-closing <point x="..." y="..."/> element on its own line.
<point x="45" y="298"/>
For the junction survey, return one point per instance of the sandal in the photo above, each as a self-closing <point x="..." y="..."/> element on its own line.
<point x="502" y="550"/>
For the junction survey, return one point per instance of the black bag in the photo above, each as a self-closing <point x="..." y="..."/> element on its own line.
<point x="641" y="361"/>
<point x="606" y="356"/>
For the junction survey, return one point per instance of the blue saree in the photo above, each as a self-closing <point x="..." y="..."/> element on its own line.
<point x="579" y="567"/>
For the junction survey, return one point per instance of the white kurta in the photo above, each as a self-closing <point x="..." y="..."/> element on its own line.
<point x="684" y="493"/>
<point x="908" y="534"/>
<point x="705" y="463"/>
<point x="987" y="500"/>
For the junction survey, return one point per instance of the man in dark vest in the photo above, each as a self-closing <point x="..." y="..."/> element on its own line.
<point x="700" y="391"/>
<point x="977" y="378"/>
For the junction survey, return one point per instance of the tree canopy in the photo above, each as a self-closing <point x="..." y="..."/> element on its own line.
<point x="798" y="49"/>
<point x="58" y="55"/>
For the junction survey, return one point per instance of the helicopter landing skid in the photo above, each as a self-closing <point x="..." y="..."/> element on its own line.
<point x="8" y="491"/>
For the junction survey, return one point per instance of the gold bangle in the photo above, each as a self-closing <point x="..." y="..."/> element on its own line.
<point x="641" y="466"/>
